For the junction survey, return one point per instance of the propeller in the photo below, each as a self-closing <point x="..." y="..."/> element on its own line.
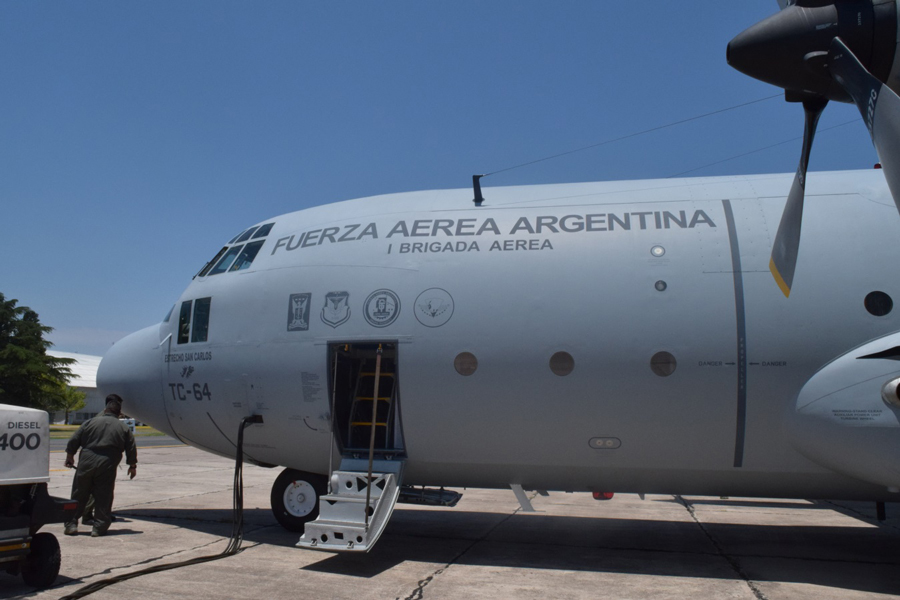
<point x="805" y="49"/>
<point x="787" y="240"/>
<point x="878" y="105"/>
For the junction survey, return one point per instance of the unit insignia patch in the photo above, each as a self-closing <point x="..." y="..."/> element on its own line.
<point x="434" y="307"/>
<point x="337" y="308"/>
<point x="298" y="312"/>
<point x="382" y="308"/>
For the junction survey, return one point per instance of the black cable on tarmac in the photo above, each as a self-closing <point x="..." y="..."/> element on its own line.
<point x="237" y="528"/>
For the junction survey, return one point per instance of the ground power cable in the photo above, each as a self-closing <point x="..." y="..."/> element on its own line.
<point x="631" y="135"/>
<point x="234" y="543"/>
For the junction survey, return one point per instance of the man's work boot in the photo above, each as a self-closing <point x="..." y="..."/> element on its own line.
<point x="71" y="528"/>
<point x="97" y="532"/>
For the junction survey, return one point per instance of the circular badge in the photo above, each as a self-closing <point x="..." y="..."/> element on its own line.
<point x="434" y="307"/>
<point x="382" y="308"/>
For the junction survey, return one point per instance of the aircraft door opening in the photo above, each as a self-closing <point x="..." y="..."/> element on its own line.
<point x="354" y="368"/>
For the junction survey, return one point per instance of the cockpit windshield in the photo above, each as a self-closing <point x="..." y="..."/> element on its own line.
<point x="224" y="260"/>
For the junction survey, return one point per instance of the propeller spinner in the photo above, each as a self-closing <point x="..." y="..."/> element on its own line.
<point x="793" y="50"/>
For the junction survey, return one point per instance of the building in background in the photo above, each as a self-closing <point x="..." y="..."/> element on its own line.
<point x="84" y="379"/>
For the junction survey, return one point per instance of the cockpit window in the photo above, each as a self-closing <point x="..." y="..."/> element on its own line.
<point x="169" y="314"/>
<point x="226" y="260"/>
<point x="211" y="263"/>
<point x="200" y="330"/>
<point x="263" y="231"/>
<point x="246" y="235"/>
<point x="246" y="258"/>
<point x="184" y="323"/>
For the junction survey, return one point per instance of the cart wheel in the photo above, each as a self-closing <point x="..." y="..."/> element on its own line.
<point x="42" y="565"/>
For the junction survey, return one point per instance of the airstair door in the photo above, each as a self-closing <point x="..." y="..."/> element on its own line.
<point x="367" y="428"/>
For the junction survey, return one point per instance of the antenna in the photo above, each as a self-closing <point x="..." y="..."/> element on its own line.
<point x="476" y="185"/>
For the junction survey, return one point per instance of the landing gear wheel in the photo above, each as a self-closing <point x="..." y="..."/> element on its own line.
<point x="42" y="565"/>
<point x="295" y="498"/>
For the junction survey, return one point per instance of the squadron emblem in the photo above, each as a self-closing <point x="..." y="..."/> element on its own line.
<point x="337" y="308"/>
<point x="434" y="307"/>
<point x="298" y="312"/>
<point x="382" y="308"/>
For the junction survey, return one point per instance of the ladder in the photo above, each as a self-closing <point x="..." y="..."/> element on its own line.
<point x="365" y="404"/>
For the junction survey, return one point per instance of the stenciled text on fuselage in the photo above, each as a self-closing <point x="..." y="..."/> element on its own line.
<point x="477" y="227"/>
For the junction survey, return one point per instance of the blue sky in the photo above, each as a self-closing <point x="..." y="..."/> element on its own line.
<point x="137" y="137"/>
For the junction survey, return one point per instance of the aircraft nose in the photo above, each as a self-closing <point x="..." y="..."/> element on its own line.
<point x="131" y="369"/>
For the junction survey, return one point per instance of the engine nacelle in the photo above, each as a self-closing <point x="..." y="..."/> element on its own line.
<point x="847" y="416"/>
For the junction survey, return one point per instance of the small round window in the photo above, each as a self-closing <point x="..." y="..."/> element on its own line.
<point x="465" y="363"/>
<point x="878" y="304"/>
<point x="663" y="364"/>
<point x="562" y="363"/>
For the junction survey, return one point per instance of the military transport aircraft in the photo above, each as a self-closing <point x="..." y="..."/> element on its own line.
<point x="617" y="336"/>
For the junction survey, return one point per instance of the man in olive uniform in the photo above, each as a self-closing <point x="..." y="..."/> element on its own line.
<point x="102" y="440"/>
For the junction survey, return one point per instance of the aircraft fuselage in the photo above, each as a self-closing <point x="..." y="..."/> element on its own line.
<point x="620" y="336"/>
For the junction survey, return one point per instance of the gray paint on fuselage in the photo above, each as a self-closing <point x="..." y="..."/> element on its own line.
<point x="593" y="296"/>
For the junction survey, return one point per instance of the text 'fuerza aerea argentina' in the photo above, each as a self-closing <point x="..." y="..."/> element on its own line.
<point x="475" y="227"/>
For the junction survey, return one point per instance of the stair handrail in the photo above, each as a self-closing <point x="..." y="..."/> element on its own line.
<point x="372" y="432"/>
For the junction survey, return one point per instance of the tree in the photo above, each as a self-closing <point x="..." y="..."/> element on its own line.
<point x="69" y="400"/>
<point x="28" y="375"/>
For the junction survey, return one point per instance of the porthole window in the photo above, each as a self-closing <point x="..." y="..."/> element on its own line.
<point x="879" y="304"/>
<point x="663" y="364"/>
<point x="661" y="286"/>
<point x="465" y="363"/>
<point x="562" y="363"/>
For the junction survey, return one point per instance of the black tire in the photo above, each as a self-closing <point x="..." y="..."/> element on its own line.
<point x="42" y="565"/>
<point x="292" y="512"/>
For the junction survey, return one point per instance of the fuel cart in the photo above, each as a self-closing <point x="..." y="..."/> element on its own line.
<point x="25" y="505"/>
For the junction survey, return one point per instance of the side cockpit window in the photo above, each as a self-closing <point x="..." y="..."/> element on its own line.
<point x="200" y="328"/>
<point x="184" y="323"/>
<point x="224" y="260"/>
<point x="193" y="320"/>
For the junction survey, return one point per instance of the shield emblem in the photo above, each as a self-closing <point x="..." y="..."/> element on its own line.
<point x="337" y="308"/>
<point x="298" y="312"/>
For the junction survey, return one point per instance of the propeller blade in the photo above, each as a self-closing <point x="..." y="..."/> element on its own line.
<point x="787" y="240"/>
<point x="879" y="106"/>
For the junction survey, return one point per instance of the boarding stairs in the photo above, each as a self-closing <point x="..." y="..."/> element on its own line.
<point x="355" y="513"/>
<point x="364" y="490"/>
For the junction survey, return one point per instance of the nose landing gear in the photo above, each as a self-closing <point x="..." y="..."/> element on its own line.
<point x="295" y="498"/>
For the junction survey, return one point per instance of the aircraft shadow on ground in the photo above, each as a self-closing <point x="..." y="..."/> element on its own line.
<point x="860" y="558"/>
<point x="728" y="502"/>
